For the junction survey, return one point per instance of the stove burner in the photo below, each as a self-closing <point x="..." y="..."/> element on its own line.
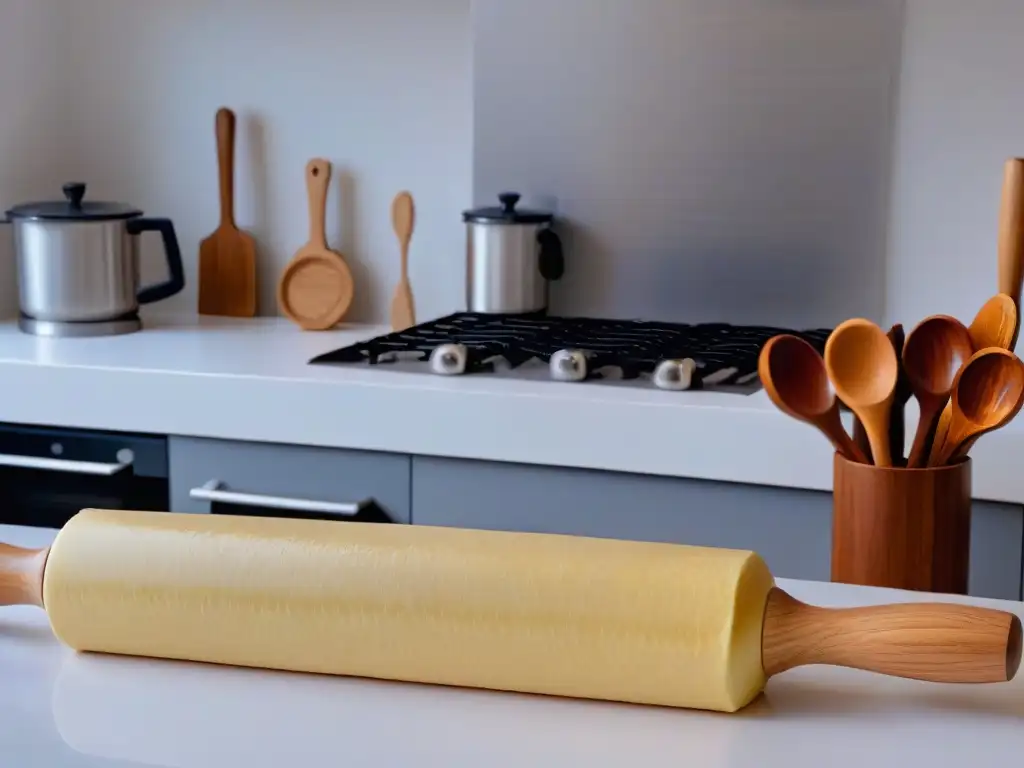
<point x="712" y="354"/>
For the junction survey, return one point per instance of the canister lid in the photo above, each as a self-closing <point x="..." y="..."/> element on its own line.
<point x="73" y="207"/>
<point x="507" y="213"/>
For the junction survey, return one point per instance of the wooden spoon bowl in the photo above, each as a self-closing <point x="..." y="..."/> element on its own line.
<point x="987" y="395"/>
<point x="794" y="376"/>
<point x="995" y="323"/>
<point x="932" y="357"/>
<point x="863" y="367"/>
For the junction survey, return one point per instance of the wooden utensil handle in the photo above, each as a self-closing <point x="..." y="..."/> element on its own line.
<point x="318" y="178"/>
<point x="937" y="642"/>
<point x="1011" y="235"/>
<point x="21" y="575"/>
<point x="226" y="164"/>
<point x="939" y="439"/>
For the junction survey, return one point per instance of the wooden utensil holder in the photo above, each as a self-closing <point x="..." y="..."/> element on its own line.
<point x="902" y="528"/>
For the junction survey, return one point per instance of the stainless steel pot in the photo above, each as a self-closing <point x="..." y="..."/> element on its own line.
<point x="511" y="258"/>
<point x="78" y="261"/>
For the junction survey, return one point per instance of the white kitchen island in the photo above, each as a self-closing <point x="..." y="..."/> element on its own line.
<point x="59" y="709"/>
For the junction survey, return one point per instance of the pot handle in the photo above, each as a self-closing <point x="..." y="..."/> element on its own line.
<point x="552" y="258"/>
<point x="176" y="282"/>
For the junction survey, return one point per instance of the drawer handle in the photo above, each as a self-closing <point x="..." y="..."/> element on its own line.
<point x="214" y="491"/>
<point x="62" y="465"/>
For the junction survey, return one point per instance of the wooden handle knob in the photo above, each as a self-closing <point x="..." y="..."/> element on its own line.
<point x="21" y="575"/>
<point x="937" y="642"/>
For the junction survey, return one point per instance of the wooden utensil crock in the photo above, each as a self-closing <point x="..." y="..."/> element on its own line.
<point x="902" y="528"/>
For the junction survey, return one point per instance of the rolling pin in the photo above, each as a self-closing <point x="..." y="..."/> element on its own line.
<point x="625" y="621"/>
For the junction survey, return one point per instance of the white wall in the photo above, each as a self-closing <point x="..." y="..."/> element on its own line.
<point x="961" y="115"/>
<point x="381" y="89"/>
<point x="719" y="160"/>
<point x="33" y="116"/>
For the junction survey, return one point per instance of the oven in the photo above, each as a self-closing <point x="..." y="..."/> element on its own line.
<point x="48" y="475"/>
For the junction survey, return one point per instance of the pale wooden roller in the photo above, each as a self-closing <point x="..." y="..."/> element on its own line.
<point x="627" y="621"/>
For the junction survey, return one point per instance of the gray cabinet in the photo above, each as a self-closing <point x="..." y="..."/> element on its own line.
<point x="997" y="544"/>
<point x="792" y="529"/>
<point x="322" y="481"/>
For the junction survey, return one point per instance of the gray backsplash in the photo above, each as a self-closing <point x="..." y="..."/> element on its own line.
<point x="713" y="159"/>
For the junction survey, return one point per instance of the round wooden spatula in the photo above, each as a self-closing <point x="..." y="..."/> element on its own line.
<point x="316" y="289"/>
<point x="403" y="218"/>
<point x="227" y="258"/>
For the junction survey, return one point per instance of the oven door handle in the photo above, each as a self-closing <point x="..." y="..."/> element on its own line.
<point x="47" y="464"/>
<point x="214" y="491"/>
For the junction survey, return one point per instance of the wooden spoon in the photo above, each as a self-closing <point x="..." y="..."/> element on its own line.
<point x="1011" y="236"/>
<point x="316" y="288"/>
<point x="794" y="376"/>
<point x="988" y="394"/>
<point x="862" y="365"/>
<point x="993" y="326"/>
<point x="403" y="219"/>
<point x="227" y="258"/>
<point x="932" y="357"/>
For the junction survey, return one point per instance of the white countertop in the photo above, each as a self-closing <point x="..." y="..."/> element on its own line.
<point x="249" y="380"/>
<point x="65" y="710"/>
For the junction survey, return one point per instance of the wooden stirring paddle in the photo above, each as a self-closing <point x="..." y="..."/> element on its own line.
<point x="794" y="376"/>
<point x="987" y="394"/>
<point x="227" y="258"/>
<point x="864" y="370"/>
<point x="403" y="219"/>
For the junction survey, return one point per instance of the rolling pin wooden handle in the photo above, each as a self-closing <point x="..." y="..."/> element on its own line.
<point x="21" y="575"/>
<point x="226" y="164"/>
<point x="318" y="179"/>
<point x="937" y="642"/>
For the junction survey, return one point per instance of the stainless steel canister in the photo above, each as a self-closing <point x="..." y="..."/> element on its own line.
<point x="512" y="255"/>
<point x="78" y="261"/>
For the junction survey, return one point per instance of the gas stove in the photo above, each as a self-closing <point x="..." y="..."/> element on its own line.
<point x="573" y="349"/>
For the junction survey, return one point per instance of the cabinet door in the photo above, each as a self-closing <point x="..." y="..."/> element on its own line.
<point x="997" y="544"/>
<point x="791" y="529"/>
<point x="307" y="482"/>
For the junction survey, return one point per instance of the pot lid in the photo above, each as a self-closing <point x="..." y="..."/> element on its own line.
<point x="73" y="207"/>
<point x="507" y="213"/>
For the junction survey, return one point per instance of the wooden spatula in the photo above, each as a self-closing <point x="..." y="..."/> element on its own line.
<point x="227" y="258"/>
<point x="403" y="218"/>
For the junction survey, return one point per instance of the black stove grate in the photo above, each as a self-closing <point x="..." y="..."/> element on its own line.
<point x="724" y="354"/>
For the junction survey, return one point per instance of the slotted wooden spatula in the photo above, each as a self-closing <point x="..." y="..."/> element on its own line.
<point x="227" y="258"/>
